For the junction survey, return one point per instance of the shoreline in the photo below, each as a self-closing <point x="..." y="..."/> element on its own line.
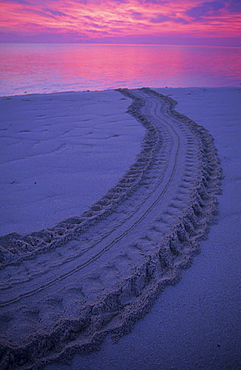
<point x="178" y="142"/>
<point x="161" y="89"/>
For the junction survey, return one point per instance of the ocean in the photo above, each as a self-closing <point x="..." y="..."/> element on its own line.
<point x="45" y="68"/>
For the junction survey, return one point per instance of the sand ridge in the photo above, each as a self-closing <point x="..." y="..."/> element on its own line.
<point x="98" y="273"/>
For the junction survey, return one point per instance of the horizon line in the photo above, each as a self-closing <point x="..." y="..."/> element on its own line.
<point x="117" y="44"/>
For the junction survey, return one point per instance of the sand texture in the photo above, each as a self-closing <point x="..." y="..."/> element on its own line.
<point x="60" y="153"/>
<point x="63" y="289"/>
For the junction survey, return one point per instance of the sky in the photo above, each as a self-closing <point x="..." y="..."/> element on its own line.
<point x="194" y="22"/>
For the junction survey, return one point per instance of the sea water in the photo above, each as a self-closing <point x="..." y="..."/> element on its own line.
<point x="45" y="68"/>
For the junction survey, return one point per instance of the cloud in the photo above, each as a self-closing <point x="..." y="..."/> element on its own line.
<point x="97" y="2"/>
<point x="156" y="1"/>
<point x="137" y="15"/>
<point x="123" y="18"/>
<point x="54" y="12"/>
<point x="17" y="2"/>
<point x="163" y="18"/>
<point x="180" y="20"/>
<point x="160" y="18"/>
<point x="45" y="12"/>
<point x="234" y="6"/>
<point x="205" y="9"/>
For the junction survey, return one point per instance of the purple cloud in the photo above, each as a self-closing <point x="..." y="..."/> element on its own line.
<point x="205" y="9"/>
<point x="54" y="12"/>
<point x="156" y="1"/>
<point x="234" y="6"/>
<point x="137" y="15"/>
<point x="160" y="19"/>
<point x="18" y="2"/>
<point x="163" y="18"/>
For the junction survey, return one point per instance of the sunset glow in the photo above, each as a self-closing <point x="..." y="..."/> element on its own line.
<point x="122" y="21"/>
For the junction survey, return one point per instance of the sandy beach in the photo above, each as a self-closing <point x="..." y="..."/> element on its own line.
<point x="54" y="147"/>
<point x="106" y="198"/>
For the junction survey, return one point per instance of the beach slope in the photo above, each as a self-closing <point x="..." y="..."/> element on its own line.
<point x="64" y="288"/>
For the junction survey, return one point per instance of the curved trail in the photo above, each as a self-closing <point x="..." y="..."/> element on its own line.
<point x="64" y="289"/>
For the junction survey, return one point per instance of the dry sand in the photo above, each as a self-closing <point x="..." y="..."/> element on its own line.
<point x="60" y="153"/>
<point x="65" y="288"/>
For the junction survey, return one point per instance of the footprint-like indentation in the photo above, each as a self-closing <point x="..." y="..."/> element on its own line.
<point x="101" y="270"/>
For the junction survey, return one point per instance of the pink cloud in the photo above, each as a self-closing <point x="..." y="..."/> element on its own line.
<point x="97" y="20"/>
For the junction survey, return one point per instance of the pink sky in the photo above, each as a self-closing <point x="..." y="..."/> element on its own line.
<point x="122" y="21"/>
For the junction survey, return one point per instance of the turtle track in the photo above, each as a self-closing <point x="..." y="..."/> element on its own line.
<point x="64" y="289"/>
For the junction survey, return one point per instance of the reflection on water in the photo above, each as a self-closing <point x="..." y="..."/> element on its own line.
<point x="47" y="68"/>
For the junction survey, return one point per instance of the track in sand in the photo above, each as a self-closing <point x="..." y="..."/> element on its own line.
<point x="64" y="289"/>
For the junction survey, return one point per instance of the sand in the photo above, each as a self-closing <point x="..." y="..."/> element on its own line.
<point x="53" y="149"/>
<point x="65" y="288"/>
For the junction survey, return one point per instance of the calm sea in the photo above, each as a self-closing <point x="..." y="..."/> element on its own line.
<point x="43" y="68"/>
